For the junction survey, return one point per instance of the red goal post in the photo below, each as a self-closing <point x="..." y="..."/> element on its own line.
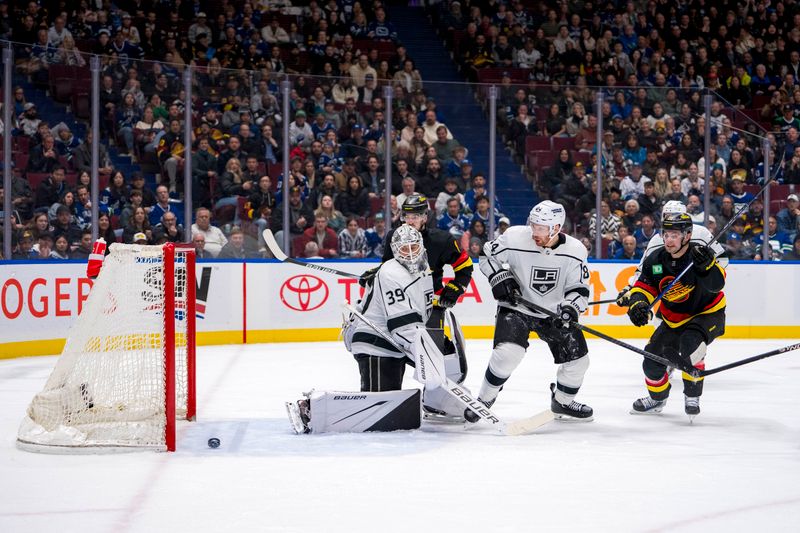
<point x="127" y="371"/>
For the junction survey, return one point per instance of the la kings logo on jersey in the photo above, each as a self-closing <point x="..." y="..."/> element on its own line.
<point x="544" y="280"/>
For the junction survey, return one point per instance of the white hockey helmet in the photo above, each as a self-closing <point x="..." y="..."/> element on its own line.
<point x="673" y="207"/>
<point x="408" y="249"/>
<point x="548" y="213"/>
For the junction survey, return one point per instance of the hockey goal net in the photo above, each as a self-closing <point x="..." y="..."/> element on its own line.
<point x="127" y="369"/>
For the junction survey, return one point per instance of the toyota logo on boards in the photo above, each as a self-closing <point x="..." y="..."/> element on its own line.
<point x="304" y="292"/>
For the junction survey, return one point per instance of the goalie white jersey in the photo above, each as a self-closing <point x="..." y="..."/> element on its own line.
<point x="396" y="302"/>
<point x="700" y="235"/>
<point x="546" y="276"/>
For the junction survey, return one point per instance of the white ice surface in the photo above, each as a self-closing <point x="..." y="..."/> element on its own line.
<point x="737" y="468"/>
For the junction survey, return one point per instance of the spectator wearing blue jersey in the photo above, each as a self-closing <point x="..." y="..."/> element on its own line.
<point x="780" y="243"/>
<point x="789" y="217"/>
<point x="380" y="29"/>
<point x="375" y="237"/>
<point x="453" y="220"/>
<point x="629" y="250"/>
<point x="646" y="231"/>
<point x="740" y="197"/>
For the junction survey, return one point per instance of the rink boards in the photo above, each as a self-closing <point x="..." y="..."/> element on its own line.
<point x="264" y="301"/>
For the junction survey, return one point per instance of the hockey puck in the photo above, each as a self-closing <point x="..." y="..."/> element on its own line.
<point x="213" y="442"/>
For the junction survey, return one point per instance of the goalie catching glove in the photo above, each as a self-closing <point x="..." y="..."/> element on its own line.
<point x="504" y="286"/>
<point x="450" y="294"/>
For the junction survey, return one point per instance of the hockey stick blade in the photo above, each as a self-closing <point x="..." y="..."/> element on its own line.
<point x="530" y="424"/>
<point x="752" y="359"/>
<point x="272" y="244"/>
<point x="653" y="357"/>
<point x="276" y="251"/>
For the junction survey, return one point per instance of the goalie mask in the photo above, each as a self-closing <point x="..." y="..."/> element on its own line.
<point x="549" y="214"/>
<point x="409" y="250"/>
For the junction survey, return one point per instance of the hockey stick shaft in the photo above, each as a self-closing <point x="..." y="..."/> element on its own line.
<point x="748" y="360"/>
<point x="653" y="357"/>
<point x="601" y="302"/>
<point x="273" y="247"/>
<point x="719" y="234"/>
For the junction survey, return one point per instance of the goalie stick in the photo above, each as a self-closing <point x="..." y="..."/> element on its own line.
<point x="519" y="427"/>
<point x="657" y="358"/>
<point x="273" y="247"/>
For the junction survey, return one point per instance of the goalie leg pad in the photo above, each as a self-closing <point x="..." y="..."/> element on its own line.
<point x="569" y="379"/>
<point x="437" y="399"/>
<point x="357" y="412"/>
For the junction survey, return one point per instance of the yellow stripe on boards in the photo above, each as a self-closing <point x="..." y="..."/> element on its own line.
<point x="208" y="338"/>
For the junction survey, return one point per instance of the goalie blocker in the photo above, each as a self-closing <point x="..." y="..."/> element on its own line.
<point x="355" y="412"/>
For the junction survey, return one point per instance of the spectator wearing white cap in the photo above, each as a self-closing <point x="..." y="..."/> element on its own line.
<point x="788" y="218"/>
<point x="198" y="27"/>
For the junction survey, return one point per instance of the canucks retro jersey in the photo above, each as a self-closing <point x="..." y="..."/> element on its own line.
<point x="546" y="276"/>
<point x="692" y="295"/>
<point x="396" y="301"/>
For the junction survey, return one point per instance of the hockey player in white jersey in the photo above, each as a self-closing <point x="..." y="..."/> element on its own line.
<point x="397" y="304"/>
<point x="700" y="236"/>
<point x="545" y="266"/>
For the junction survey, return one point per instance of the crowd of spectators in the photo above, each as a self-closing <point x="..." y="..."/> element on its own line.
<point x="653" y="61"/>
<point x="338" y="56"/>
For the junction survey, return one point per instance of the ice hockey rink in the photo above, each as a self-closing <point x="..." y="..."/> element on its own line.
<point x="736" y="468"/>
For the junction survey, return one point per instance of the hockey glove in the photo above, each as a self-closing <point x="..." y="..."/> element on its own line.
<point x="623" y="298"/>
<point x="504" y="287"/>
<point x="368" y="277"/>
<point x="567" y="314"/>
<point x="639" y="313"/>
<point x="703" y="258"/>
<point x="450" y="294"/>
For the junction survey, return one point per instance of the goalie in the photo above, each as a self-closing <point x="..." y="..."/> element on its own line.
<point x="398" y="303"/>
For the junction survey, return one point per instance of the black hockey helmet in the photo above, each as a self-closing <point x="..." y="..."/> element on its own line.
<point x="415" y="204"/>
<point x="677" y="221"/>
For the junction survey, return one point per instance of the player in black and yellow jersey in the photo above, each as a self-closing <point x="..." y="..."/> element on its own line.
<point x="692" y="312"/>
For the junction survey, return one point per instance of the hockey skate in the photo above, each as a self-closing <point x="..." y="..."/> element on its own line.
<point x="471" y="417"/>
<point x="691" y="406"/>
<point x="299" y="415"/>
<point x="435" y="416"/>
<point x="571" y="411"/>
<point x="647" y="405"/>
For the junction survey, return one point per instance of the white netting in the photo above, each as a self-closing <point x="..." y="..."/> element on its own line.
<point x="108" y="385"/>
